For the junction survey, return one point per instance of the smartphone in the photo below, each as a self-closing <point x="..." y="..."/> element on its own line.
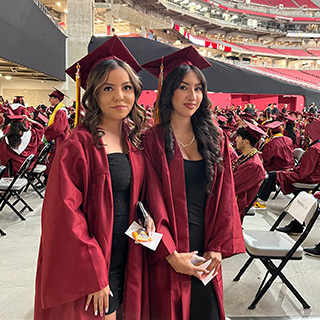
<point x="142" y="214"/>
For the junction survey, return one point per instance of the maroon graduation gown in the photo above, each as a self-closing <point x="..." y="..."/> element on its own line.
<point x="308" y="171"/>
<point x="57" y="132"/>
<point x="76" y="240"/>
<point x="19" y="111"/>
<point x="247" y="178"/>
<point x="170" y="292"/>
<point x="277" y="154"/>
<point x="6" y="153"/>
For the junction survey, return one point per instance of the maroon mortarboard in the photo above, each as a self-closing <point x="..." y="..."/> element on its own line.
<point x="58" y="94"/>
<point x="42" y="118"/>
<point x="186" y="56"/>
<point x="3" y="109"/>
<point x="111" y="49"/>
<point x="222" y="118"/>
<point x="273" y="125"/>
<point x="291" y="119"/>
<point x="247" y="116"/>
<point x="18" y="99"/>
<point x="255" y="131"/>
<point x="313" y="130"/>
<point x="31" y="109"/>
<point x="15" y="118"/>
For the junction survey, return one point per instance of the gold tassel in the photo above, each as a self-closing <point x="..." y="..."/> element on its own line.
<point x="156" y="113"/>
<point x="78" y="90"/>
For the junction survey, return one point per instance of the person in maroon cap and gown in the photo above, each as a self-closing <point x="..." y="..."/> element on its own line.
<point x="20" y="141"/>
<point x="277" y="153"/>
<point x="58" y="126"/>
<point x="17" y="107"/>
<point x="308" y="171"/>
<point x="248" y="171"/>
<point x="187" y="161"/>
<point x="86" y="262"/>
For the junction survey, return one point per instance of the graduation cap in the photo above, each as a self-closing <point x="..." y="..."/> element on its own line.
<point x="274" y="125"/>
<point x="15" y="118"/>
<point x="254" y="130"/>
<point x="31" y="109"/>
<point x="247" y="116"/>
<point x="111" y="49"/>
<point x="42" y="118"/>
<point x="313" y="130"/>
<point x="222" y="118"/>
<point x="163" y="66"/>
<point x="3" y="109"/>
<point x="291" y="119"/>
<point x="186" y="56"/>
<point x="18" y="99"/>
<point x="58" y="94"/>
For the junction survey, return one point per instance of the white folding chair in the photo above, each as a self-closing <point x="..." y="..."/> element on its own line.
<point x="272" y="245"/>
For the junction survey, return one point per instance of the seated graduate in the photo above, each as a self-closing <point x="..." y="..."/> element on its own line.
<point x="308" y="171"/>
<point x="20" y="141"/>
<point x="277" y="153"/>
<point x="248" y="171"/>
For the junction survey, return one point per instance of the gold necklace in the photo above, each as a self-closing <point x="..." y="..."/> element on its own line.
<point x="188" y="144"/>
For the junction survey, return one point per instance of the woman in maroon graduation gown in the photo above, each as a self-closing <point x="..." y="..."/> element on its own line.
<point x="91" y="197"/>
<point x="187" y="160"/>
<point x="20" y="142"/>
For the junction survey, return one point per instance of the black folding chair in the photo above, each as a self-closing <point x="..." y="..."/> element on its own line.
<point x="13" y="187"/>
<point x="34" y="175"/>
<point x="2" y="171"/>
<point x="272" y="245"/>
<point x="261" y="188"/>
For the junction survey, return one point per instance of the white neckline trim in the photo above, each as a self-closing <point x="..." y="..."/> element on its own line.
<point x="25" y="139"/>
<point x="15" y="106"/>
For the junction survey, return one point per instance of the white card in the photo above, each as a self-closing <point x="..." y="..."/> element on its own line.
<point x="153" y="244"/>
<point x="195" y="260"/>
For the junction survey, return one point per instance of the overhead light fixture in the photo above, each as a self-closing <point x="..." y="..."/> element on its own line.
<point x="65" y="10"/>
<point x="8" y="77"/>
<point x="0" y="74"/>
<point x="58" y="4"/>
<point x="184" y="2"/>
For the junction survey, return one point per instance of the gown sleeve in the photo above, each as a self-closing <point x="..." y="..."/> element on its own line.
<point x="72" y="262"/>
<point x="155" y="201"/>
<point x="58" y="127"/>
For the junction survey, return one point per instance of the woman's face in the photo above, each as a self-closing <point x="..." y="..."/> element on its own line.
<point x="116" y="95"/>
<point x="187" y="98"/>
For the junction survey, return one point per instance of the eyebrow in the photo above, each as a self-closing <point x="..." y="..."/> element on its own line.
<point x="197" y="84"/>
<point x="111" y="84"/>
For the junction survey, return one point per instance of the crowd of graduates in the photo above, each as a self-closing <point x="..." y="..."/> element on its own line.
<point x="197" y="169"/>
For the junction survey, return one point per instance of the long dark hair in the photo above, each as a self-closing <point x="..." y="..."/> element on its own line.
<point x="16" y="130"/>
<point x="290" y="131"/>
<point x="206" y="133"/>
<point x="92" y="118"/>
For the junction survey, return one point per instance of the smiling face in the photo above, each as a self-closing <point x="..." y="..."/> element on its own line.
<point x="116" y="95"/>
<point x="187" y="98"/>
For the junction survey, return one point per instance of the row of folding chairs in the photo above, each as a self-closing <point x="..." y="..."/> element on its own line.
<point x="12" y="188"/>
<point x="269" y="246"/>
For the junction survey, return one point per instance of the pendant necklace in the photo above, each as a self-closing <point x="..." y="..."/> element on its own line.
<point x="188" y="144"/>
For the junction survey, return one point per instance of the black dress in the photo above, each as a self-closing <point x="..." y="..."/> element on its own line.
<point x="204" y="304"/>
<point x="120" y="172"/>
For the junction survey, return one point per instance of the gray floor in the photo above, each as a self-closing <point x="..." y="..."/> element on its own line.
<point x="19" y="249"/>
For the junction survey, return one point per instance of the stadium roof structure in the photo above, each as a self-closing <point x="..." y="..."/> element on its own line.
<point x="221" y="77"/>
